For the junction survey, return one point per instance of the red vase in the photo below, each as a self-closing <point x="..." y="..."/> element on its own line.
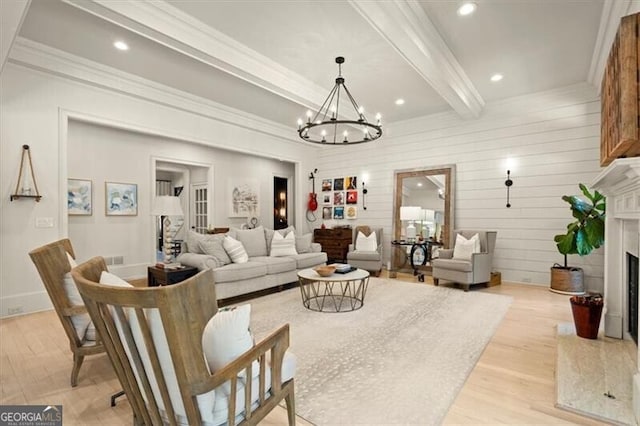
<point x="586" y="316"/>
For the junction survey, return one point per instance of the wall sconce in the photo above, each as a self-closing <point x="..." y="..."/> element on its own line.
<point x="508" y="183"/>
<point x="364" y="192"/>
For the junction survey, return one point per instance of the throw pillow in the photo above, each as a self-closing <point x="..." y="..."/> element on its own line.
<point x="226" y="336"/>
<point x="212" y="246"/>
<point x="107" y="278"/>
<point x="268" y="234"/>
<point x="283" y="246"/>
<point x="303" y="243"/>
<point x="193" y="242"/>
<point x="253" y="240"/>
<point x="80" y="321"/>
<point x="464" y="248"/>
<point x="235" y="250"/>
<point x="364" y="243"/>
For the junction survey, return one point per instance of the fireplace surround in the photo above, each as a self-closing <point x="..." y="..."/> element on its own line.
<point x="620" y="183"/>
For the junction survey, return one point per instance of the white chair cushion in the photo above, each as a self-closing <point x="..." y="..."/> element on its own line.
<point x="235" y="250"/>
<point x="283" y="246"/>
<point x="226" y="336"/>
<point x="464" y="248"/>
<point x="80" y="321"/>
<point x="364" y="243"/>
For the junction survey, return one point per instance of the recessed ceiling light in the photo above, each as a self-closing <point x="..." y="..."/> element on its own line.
<point x="467" y="8"/>
<point x="121" y="45"/>
<point x="419" y="183"/>
<point x="496" y="77"/>
<point x="399" y="101"/>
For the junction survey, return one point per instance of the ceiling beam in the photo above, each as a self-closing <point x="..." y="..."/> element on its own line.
<point x="12" y="13"/>
<point x="165" y="24"/>
<point x="406" y="26"/>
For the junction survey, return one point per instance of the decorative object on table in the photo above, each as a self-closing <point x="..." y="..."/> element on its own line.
<point x="325" y="270"/>
<point x="352" y="197"/>
<point x="584" y="234"/>
<point x="327" y="185"/>
<point x="410" y="214"/>
<point x="244" y="199"/>
<point x="338" y="212"/>
<point x="79" y="197"/>
<point x="25" y="180"/>
<point x="331" y="126"/>
<point x="427" y="223"/>
<point x="252" y="222"/>
<point x="364" y="192"/>
<point x="351" y="182"/>
<point x="338" y="184"/>
<point x="165" y="206"/>
<point x="508" y="183"/>
<point x="351" y="212"/>
<point x="587" y="311"/>
<point x="121" y="199"/>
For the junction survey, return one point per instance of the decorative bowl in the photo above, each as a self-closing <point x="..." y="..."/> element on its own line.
<point x="325" y="270"/>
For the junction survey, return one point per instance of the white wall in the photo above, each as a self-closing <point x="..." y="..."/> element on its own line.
<point x="35" y="107"/>
<point x="549" y="140"/>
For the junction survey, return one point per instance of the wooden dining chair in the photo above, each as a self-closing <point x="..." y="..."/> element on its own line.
<point x="53" y="265"/>
<point x="154" y="338"/>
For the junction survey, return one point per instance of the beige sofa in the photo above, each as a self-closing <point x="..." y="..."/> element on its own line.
<point x="261" y="271"/>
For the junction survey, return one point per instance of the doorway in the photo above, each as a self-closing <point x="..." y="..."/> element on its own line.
<point x="280" y="197"/>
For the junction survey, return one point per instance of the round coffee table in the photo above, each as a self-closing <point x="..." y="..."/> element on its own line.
<point x="335" y="293"/>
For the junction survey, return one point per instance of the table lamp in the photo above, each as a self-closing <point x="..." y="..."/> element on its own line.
<point x="167" y="205"/>
<point x="410" y="214"/>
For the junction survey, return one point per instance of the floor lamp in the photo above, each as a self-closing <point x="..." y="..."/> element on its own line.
<point x="167" y="205"/>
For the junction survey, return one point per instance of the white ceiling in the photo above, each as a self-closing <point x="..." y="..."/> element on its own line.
<point x="275" y="59"/>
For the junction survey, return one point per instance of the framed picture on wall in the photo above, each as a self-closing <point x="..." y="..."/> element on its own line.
<point x="338" y="212"/>
<point x="327" y="213"/>
<point x="338" y="198"/>
<point x="243" y="197"/>
<point x="326" y="199"/>
<point x="79" y="197"/>
<point x="121" y="199"/>
<point x="338" y="184"/>
<point x="351" y="212"/>
<point x="352" y="197"/>
<point x="351" y="182"/>
<point x="327" y="184"/>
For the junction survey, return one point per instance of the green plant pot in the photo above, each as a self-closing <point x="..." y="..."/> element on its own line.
<point x="587" y="312"/>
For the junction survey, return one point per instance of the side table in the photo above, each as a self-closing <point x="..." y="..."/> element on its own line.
<point x="160" y="276"/>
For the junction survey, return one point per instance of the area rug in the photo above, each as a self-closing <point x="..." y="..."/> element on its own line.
<point x="401" y="358"/>
<point x="593" y="377"/>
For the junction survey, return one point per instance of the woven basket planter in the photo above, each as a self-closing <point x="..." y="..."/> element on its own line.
<point x="567" y="280"/>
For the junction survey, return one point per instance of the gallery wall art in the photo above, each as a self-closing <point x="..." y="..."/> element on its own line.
<point x="79" y="197"/>
<point x="121" y="199"/>
<point x="244" y="197"/>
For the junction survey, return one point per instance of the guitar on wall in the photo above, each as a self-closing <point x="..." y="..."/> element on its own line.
<point x="312" y="204"/>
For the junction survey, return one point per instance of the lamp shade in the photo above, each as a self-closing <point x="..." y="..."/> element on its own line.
<point x="428" y="215"/>
<point x="166" y="205"/>
<point x="410" y="213"/>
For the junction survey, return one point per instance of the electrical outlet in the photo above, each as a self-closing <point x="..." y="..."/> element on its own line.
<point x="15" y="310"/>
<point x="44" y="222"/>
<point x="118" y="260"/>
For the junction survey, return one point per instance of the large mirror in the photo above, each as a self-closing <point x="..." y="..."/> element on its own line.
<point x="423" y="217"/>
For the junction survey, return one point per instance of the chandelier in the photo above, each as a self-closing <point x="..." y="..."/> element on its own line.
<point x="327" y="126"/>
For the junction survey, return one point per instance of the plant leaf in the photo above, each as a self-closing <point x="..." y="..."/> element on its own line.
<point x="566" y="243"/>
<point x="586" y="192"/>
<point x="594" y="229"/>
<point x="582" y="243"/>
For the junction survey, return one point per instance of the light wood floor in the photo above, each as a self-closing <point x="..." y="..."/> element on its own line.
<point x="512" y="383"/>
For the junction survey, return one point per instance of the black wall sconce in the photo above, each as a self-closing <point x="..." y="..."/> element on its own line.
<point x="508" y="183"/>
<point x="364" y="192"/>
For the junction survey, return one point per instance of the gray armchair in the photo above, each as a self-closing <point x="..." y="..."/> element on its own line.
<point x="368" y="260"/>
<point x="477" y="270"/>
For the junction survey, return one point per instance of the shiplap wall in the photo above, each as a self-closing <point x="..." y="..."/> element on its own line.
<point x="549" y="140"/>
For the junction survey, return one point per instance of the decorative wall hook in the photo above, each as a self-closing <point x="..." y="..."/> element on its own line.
<point x="508" y="183"/>
<point x="364" y="192"/>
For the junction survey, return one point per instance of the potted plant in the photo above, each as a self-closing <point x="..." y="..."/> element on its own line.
<point x="583" y="235"/>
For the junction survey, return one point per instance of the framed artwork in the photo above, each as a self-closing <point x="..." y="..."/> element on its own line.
<point x="121" y="199"/>
<point x="326" y="199"/>
<point x="352" y="197"/>
<point x="79" y="197"/>
<point x="243" y="195"/>
<point x="338" y="198"/>
<point x="351" y="212"/>
<point x="351" y="182"/>
<point x="327" y="213"/>
<point x="338" y="212"/>
<point x="338" y="184"/>
<point x="327" y="184"/>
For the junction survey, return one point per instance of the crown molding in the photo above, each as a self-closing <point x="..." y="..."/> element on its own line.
<point x="12" y="14"/>
<point x="612" y="12"/>
<point x="165" y="24"/>
<point x="40" y="57"/>
<point x="406" y="26"/>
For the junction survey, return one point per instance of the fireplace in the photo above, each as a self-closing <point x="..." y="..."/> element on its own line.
<point x="632" y="284"/>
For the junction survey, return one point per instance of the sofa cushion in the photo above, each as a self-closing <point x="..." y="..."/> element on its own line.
<point x="463" y="248"/>
<point x="192" y="241"/>
<point x="453" y="264"/>
<point x="276" y="265"/>
<point x="253" y="240"/>
<point x="303" y="243"/>
<point x="363" y="255"/>
<point x="268" y="234"/>
<point x="366" y="243"/>
<point x="239" y="271"/>
<point x="283" y="246"/>
<point x="235" y="250"/>
<point x="308" y="260"/>
<point x="213" y="246"/>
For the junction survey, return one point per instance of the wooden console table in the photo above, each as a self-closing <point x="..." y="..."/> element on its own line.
<point x="160" y="276"/>
<point x="335" y="242"/>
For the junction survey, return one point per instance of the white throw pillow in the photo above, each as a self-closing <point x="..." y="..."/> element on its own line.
<point x="235" y="250"/>
<point x="283" y="246"/>
<point x="464" y="248"/>
<point x="369" y="243"/>
<point x="80" y="321"/>
<point x="303" y="243"/>
<point x="226" y="336"/>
